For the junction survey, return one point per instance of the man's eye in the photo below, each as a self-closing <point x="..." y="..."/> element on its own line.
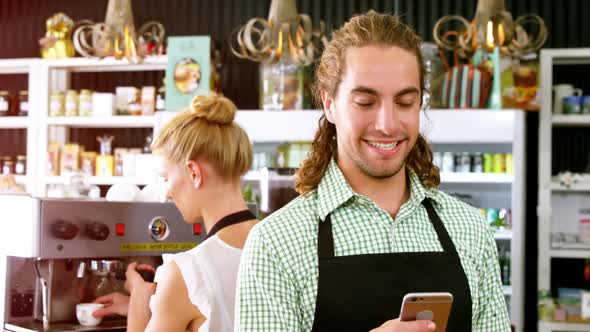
<point x="406" y="103"/>
<point x="363" y="103"/>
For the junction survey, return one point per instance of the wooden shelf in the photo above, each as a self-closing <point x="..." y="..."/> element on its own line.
<point x="115" y="121"/>
<point x="564" y="327"/>
<point x="479" y="178"/>
<point x="571" y="120"/>
<point x="103" y="180"/>
<point x="14" y="122"/>
<point x="109" y="64"/>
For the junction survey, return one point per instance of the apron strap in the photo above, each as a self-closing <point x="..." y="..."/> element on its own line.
<point x="232" y="219"/>
<point x="441" y="231"/>
<point x="325" y="239"/>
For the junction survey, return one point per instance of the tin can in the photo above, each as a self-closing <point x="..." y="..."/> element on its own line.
<point x="509" y="164"/>
<point x="477" y="163"/>
<point x="448" y="162"/>
<point x="464" y="163"/>
<point x="487" y="163"/>
<point x="498" y="163"/>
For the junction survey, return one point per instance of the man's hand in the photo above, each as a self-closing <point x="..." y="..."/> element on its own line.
<point x="413" y="326"/>
<point x="115" y="304"/>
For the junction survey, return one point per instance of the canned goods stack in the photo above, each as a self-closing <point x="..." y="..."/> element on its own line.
<point x="467" y="162"/>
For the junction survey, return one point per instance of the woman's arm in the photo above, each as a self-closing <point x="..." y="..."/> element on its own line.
<point x="172" y="309"/>
<point x="139" y="300"/>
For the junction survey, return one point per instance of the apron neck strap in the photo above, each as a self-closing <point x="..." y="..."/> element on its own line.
<point x="229" y="220"/>
<point x="441" y="231"/>
<point x="325" y="239"/>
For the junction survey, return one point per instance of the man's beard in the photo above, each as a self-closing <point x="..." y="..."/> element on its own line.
<point x="379" y="174"/>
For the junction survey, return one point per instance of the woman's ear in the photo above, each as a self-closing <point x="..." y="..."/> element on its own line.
<point x="195" y="172"/>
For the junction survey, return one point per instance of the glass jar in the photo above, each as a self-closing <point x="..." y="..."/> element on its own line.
<point x="5" y="101"/>
<point x="20" y="167"/>
<point x="71" y="103"/>
<point x="161" y="99"/>
<point x="23" y="103"/>
<point x="56" y="104"/>
<point x="7" y="166"/>
<point x="85" y="105"/>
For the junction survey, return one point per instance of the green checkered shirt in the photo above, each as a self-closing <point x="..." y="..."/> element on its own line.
<point x="278" y="276"/>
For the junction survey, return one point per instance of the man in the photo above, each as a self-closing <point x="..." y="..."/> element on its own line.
<point x="370" y="225"/>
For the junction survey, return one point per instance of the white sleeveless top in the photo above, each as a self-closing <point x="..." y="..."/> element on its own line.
<point x="210" y="271"/>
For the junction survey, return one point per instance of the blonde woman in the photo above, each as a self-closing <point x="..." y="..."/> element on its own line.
<point x="204" y="154"/>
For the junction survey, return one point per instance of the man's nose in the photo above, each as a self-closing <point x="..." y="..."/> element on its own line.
<point x="387" y="118"/>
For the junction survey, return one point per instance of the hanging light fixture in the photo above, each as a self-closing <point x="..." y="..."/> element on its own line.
<point x="492" y="23"/>
<point x="117" y="35"/>
<point x="284" y="33"/>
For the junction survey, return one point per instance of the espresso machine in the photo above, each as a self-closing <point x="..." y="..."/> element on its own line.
<point x="56" y="253"/>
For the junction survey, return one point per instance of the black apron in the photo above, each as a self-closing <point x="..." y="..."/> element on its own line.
<point x="361" y="292"/>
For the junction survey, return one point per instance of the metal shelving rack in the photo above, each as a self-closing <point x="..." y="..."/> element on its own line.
<point x="548" y="186"/>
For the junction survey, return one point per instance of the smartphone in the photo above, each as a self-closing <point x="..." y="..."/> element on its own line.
<point x="427" y="306"/>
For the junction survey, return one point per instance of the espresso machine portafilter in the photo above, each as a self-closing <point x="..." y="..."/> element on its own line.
<point x="56" y="253"/>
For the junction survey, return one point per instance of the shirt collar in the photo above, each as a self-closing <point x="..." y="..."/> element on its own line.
<point x="333" y="190"/>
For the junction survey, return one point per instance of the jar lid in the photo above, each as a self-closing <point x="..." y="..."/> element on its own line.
<point x="21" y="157"/>
<point x="4" y="93"/>
<point x="24" y="93"/>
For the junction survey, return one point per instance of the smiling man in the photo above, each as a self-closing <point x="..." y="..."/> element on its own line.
<point x="370" y="225"/>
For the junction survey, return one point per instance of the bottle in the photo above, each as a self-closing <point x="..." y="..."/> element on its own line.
<point x="5" y="103"/>
<point x="20" y="166"/>
<point x="105" y="162"/>
<point x="506" y="269"/>
<point x="7" y="166"/>
<point x="147" y="148"/>
<point x="23" y="104"/>
<point x="501" y="262"/>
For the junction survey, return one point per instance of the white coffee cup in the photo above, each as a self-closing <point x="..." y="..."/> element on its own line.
<point x="84" y="313"/>
<point x="561" y="91"/>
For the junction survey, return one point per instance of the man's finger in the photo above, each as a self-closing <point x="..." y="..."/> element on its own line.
<point x="418" y="326"/>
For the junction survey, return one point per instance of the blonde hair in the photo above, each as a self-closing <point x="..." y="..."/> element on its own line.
<point x="207" y="129"/>
<point x="371" y="28"/>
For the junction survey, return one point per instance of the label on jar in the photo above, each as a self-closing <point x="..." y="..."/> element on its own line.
<point x="24" y="106"/>
<point x="71" y="106"/>
<point x="85" y="107"/>
<point x="55" y="106"/>
<point x="3" y="105"/>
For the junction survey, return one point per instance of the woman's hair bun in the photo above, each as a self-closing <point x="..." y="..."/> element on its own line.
<point x="214" y="108"/>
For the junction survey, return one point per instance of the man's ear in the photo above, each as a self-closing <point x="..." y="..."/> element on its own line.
<point x="195" y="171"/>
<point x="328" y="103"/>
